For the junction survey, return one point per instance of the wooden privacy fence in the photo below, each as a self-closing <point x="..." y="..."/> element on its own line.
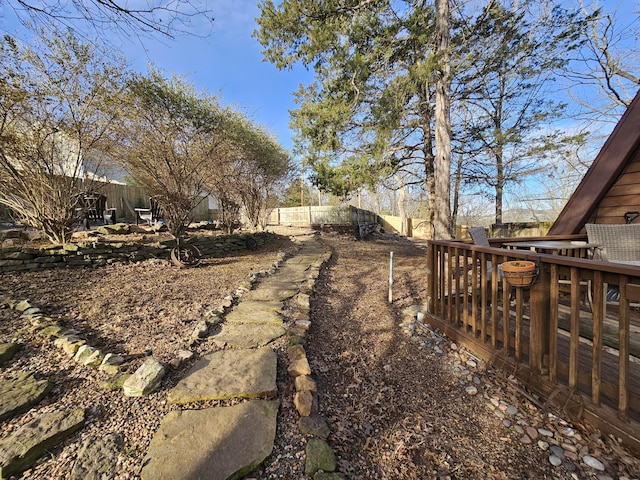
<point x="559" y="336"/>
<point x="125" y="198"/>
<point x="314" y="216"/>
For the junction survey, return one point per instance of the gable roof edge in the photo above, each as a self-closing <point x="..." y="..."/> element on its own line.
<point x="607" y="166"/>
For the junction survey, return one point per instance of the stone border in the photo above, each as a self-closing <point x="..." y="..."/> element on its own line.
<point x="95" y="254"/>
<point x="320" y="460"/>
<point x="148" y="376"/>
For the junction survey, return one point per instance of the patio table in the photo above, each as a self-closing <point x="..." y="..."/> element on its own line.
<point x="552" y="245"/>
<point x="634" y="263"/>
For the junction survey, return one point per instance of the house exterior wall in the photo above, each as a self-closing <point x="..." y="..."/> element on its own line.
<point x="623" y="196"/>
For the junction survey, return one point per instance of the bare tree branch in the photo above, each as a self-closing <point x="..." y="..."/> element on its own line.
<point x="169" y="18"/>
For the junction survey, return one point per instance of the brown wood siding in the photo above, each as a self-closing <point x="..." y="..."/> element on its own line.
<point x="623" y="196"/>
<point x="611" y="186"/>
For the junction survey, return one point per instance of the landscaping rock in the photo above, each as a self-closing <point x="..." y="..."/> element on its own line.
<point x="296" y="352"/>
<point x="144" y="380"/>
<point x="305" y="382"/>
<point x="219" y="443"/>
<point x="299" y="367"/>
<point x="201" y="330"/>
<point x="18" y="394"/>
<point x="69" y="344"/>
<point x="314" y="425"/>
<point x="7" y="351"/>
<point x="20" y="450"/>
<point x="111" y="364"/>
<point x="88" y="356"/>
<point x="22" y="306"/>
<point x="117" y="229"/>
<point x="320" y="456"/>
<point x="329" y="476"/>
<point x="303" y="402"/>
<point x="97" y="458"/>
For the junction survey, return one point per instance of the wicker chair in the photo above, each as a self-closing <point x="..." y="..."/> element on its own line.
<point x="617" y="242"/>
<point x="479" y="237"/>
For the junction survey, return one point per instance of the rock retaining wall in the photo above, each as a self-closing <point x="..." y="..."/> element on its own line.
<point x="93" y="254"/>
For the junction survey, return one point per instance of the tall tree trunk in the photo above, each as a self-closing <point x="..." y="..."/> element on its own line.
<point x="402" y="206"/>
<point x="499" y="185"/>
<point x="442" y="213"/>
<point x="457" y="182"/>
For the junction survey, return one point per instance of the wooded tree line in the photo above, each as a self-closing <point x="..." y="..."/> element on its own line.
<point x="65" y="104"/>
<point x="371" y="112"/>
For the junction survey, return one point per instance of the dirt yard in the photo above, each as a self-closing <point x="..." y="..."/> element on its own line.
<point x="397" y="404"/>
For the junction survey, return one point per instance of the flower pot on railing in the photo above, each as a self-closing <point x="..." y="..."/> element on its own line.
<point x="520" y="273"/>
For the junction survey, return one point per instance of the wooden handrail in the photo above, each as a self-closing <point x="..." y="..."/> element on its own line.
<point x="529" y="326"/>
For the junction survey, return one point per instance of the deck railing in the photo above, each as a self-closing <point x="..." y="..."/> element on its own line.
<point x="560" y="335"/>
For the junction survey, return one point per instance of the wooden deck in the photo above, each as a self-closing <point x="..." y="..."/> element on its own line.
<point x="610" y="354"/>
<point x="546" y="334"/>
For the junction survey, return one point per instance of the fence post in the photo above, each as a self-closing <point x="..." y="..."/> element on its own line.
<point x="539" y="324"/>
<point x="391" y="277"/>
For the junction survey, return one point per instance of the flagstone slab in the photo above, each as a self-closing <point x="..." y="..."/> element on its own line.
<point x="249" y="335"/>
<point x="295" y="273"/>
<point x="272" y="291"/>
<point x="221" y="443"/>
<point x="228" y="374"/>
<point x="251" y="310"/>
<point x="20" y="450"/>
<point x="18" y="394"/>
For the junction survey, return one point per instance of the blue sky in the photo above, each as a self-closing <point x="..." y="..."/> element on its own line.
<point x="227" y="63"/>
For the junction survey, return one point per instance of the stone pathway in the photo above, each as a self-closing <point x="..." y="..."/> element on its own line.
<point x="214" y="443"/>
<point x="221" y="443"/>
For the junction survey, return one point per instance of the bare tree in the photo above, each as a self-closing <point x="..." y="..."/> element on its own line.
<point x="168" y="18"/>
<point x="57" y="105"/>
<point x="249" y="171"/>
<point x="442" y="204"/>
<point x="606" y="62"/>
<point x="170" y="134"/>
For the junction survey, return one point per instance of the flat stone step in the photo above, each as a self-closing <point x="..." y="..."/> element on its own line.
<point x="251" y="310"/>
<point x="18" y="394"/>
<point x="97" y="457"/>
<point x="215" y="443"/>
<point x="272" y="290"/>
<point x="248" y="335"/>
<point x="19" y="451"/>
<point x="228" y="374"/>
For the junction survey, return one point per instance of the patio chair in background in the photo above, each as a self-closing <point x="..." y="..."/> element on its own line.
<point x="479" y="237"/>
<point x="151" y="215"/>
<point x="93" y="208"/>
<point x="616" y="243"/>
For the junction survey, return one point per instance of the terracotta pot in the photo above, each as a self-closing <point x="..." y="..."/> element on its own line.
<point x="519" y="273"/>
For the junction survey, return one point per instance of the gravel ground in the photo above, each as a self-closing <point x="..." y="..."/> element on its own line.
<point x="135" y="310"/>
<point x="404" y="402"/>
<point x="398" y="398"/>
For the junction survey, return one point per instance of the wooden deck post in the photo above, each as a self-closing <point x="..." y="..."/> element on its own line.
<point x="431" y="297"/>
<point x="539" y="323"/>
